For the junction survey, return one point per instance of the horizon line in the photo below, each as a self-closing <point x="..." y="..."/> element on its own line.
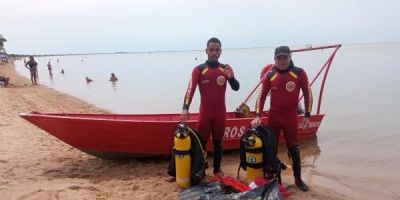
<point x="165" y="51"/>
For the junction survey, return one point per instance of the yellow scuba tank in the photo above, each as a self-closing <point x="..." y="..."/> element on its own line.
<point x="246" y="110"/>
<point x="182" y="156"/>
<point x="254" y="158"/>
<point x="243" y="111"/>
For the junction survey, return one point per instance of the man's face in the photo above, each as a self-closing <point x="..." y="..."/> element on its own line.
<point x="213" y="51"/>
<point x="282" y="62"/>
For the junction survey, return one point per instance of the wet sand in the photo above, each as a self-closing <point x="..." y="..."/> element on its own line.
<point x="36" y="165"/>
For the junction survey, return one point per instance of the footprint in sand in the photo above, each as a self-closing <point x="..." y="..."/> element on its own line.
<point x="29" y="195"/>
<point x="76" y="187"/>
<point x="50" y="171"/>
<point x="73" y="175"/>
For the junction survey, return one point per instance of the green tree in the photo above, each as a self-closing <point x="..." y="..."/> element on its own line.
<point x="2" y="40"/>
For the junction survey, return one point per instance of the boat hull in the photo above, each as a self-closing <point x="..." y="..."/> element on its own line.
<point x="121" y="136"/>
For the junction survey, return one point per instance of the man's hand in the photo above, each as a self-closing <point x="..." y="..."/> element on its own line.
<point x="256" y="122"/>
<point x="185" y="115"/>
<point x="229" y="71"/>
<point x="305" y="122"/>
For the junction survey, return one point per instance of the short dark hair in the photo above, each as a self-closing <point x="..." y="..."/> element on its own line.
<point x="214" y="40"/>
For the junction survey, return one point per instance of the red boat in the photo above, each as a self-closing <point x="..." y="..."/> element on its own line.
<point x="117" y="136"/>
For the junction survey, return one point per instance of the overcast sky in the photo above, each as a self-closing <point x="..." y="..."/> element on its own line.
<point x="83" y="26"/>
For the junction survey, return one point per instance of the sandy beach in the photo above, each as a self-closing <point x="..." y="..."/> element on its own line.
<point x="36" y="165"/>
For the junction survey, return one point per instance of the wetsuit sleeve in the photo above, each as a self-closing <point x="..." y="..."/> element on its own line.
<point x="265" y="70"/>
<point x="194" y="80"/>
<point x="234" y="83"/>
<point x="305" y="87"/>
<point x="265" y="87"/>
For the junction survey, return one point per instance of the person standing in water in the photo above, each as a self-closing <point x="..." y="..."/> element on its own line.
<point x="32" y="69"/>
<point x="211" y="77"/>
<point x="284" y="82"/>
<point x="49" y="67"/>
<point x="113" y="78"/>
<point x="88" y="80"/>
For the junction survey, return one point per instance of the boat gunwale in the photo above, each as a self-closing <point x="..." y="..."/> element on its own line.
<point x="59" y="116"/>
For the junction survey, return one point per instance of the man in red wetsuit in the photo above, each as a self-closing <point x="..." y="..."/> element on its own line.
<point x="284" y="81"/>
<point x="211" y="77"/>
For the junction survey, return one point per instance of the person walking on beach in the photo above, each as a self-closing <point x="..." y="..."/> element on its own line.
<point x="284" y="82"/>
<point x="32" y="68"/>
<point x="211" y="78"/>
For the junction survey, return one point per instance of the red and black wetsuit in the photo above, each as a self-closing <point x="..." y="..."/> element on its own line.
<point x="266" y="69"/>
<point x="285" y="88"/>
<point x="211" y="79"/>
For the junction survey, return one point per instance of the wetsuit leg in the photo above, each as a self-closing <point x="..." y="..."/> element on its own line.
<point x="294" y="154"/>
<point x="275" y="126"/>
<point x="290" y="131"/>
<point x="218" y="131"/>
<point x="218" y="127"/>
<point x="217" y="155"/>
<point x="291" y="135"/>
<point x="204" y="125"/>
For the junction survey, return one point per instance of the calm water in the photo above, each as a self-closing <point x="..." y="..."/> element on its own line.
<point x="152" y="83"/>
<point x="357" y="150"/>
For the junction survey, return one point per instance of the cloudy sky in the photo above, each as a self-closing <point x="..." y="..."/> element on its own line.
<point x="83" y="26"/>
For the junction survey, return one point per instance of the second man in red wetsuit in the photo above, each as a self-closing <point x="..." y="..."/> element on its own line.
<point x="212" y="78"/>
<point x="284" y="81"/>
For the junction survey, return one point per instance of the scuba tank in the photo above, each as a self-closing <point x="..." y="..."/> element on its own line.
<point x="258" y="154"/>
<point x="188" y="158"/>
<point x="254" y="156"/>
<point x="182" y="146"/>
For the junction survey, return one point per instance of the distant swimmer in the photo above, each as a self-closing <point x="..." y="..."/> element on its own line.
<point x="57" y="60"/>
<point x="62" y="71"/>
<point x="113" y="78"/>
<point x="88" y="80"/>
<point x="49" y="66"/>
<point x="195" y="58"/>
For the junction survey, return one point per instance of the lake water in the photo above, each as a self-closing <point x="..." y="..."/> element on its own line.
<point x="153" y="82"/>
<point x="357" y="151"/>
